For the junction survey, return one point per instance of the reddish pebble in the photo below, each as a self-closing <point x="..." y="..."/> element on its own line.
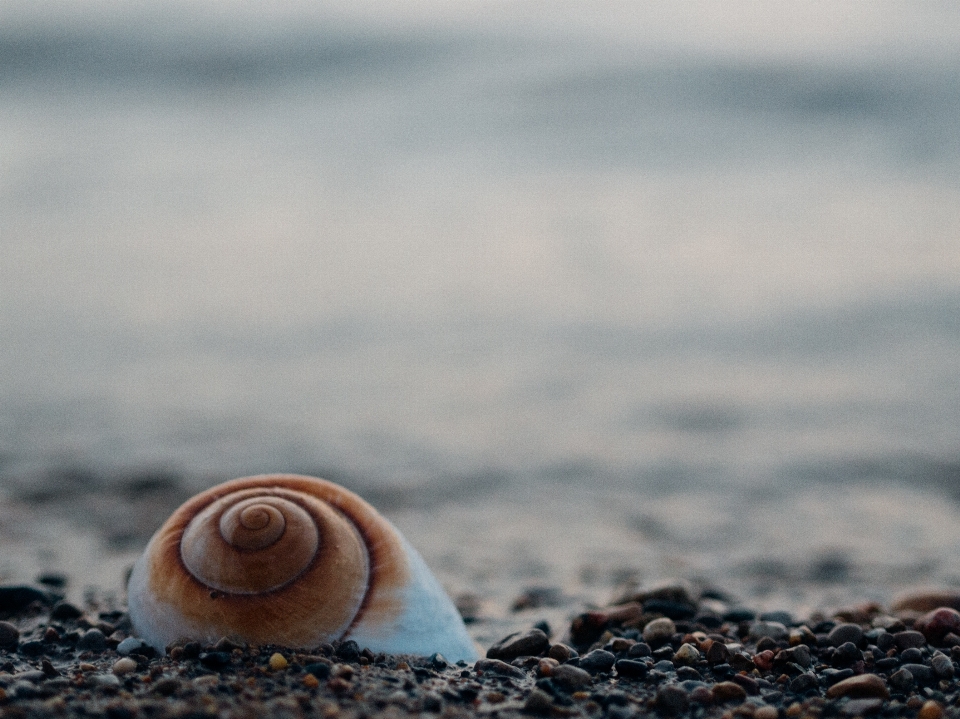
<point x="764" y="660"/>
<point x="937" y="624"/>
<point x="930" y="710"/>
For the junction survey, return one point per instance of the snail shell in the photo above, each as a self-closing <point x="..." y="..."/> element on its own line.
<point x="292" y="560"/>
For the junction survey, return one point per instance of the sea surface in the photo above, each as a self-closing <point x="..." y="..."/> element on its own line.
<point x="577" y="293"/>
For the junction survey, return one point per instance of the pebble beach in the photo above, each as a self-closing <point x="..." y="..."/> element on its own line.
<point x="670" y="650"/>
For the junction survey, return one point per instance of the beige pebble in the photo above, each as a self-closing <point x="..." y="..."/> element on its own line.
<point x="124" y="665"/>
<point x="766" y="712"/>
<point x="277" y="662"/>
<point x="860" y="687"/>
<point x="546" y="666"/>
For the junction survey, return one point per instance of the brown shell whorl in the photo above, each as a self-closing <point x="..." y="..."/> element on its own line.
<point x="247" y="543"/>
<point x="272" y="554"/>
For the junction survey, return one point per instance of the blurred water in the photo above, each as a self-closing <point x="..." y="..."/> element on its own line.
<point x="671" y="263"/>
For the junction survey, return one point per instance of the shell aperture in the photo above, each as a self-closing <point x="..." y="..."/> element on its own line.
<point x="293" y="560"/>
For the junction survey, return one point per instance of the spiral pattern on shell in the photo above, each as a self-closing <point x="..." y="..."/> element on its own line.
<point x="278" y="559"/>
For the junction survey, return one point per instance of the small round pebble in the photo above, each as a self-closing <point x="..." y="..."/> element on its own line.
<point x="130" y="645"/>
<point x="277" y="662"/>
<point x="930" y="710"/>
<point x="124" y="665"/>
<point x="672" y="699"/>
<point x="843" y="633"/>
<point x="92" y="640"/>
<point x="659" y="631"/>
<point x="9" y="635"/>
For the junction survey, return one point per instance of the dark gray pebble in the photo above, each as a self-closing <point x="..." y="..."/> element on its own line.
<point x="130" y="645"/>
<point x="901" y="681"/>
<point x="570" y="676"/>
<point x="799" y="655"/>
<point x="496" y="666"/>
<point x="215" y="660"/>
<point x="33" y="648"/>
<point x="685" y="674"/>
<point x="671" y="700"/>
<point x="538" y="702"/>
<point x="803" y="683"/>
<point x="320" y="670"/>
<point x="640" y="649"/>
<point x="908" y="639"/>
<point x="597" y="661"/>
<point x="843" y="633"/>
<point x="16" y="598"/>
<point x="777" y="616"/>
<point x="631" y="669"/>
<point x="531" y="643"/>
<point x="349" y="651"/>
<point x="861" y="707"/>
<point x="921" y="673"/>
<point x="846" y="654"/>
<point x="92" y="640"/>
<point x="942" y="666"/>
<point x="885" y="641"/>
<point x="65" y="611"/>
<point x="9" y="635"/>
<point x="911" y="656"/>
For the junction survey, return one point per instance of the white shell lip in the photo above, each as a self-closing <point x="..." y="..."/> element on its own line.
<point x="427" y="622"/>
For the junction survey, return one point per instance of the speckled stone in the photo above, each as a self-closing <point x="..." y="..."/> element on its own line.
<point x="659" y="631"/>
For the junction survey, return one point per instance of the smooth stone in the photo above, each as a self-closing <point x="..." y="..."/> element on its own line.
<point x="124" y="665"/>
<point x="538" y="702"/>
<point x="902" y="681"/>
<point x="843" y="633"/>
<point x="927" y="599"/>
<point x="862" y="686"/>
<point x="130" y="645"/>
<point x="937" y="624"/>
<point x="631" y="668"/>
<point x="561" y="652"/>
<point x="92" y="640"/>
<point x="597" y="661"/>
<point x="103" y="680"/>
<point x="723" y="692"/>
<point x="775" y="630"/>
<point x="659" y="631"/>
<point x="942" y="666"/>
<point x="65" y="611"/>
<point x="671" y="700"/>
<point x="570" y="676"/>
<point x="15" y="598"/>
<point x="33" y="648"/>
<point x="531" y="643"/>
<point x="496" y="666"/>
<point x="799" y="655"/>
<point x="930" y="710"/>
<point x="909" y="639"/>
<point x="921" y="672"/>
<point x="750" y="684"/>
<point x="859" y="707"/>
<point x="803" y="682"/>
<point x="687" y="654"/>
<point x="9" y="635"/>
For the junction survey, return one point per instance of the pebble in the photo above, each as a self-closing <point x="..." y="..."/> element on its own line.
<point x="496" y="666"/>
<point x="941" y="665"/>
<point x="597" y="661"/>
<point x="538" y="702"/>
<point x="278" y="662"/>
<point x="860" y="687"/>
<point x="930" y="710"/>
<point x="843" y="633"/>
<point x="937" y="624"/>
<point x="723" y="692"/>
<point x="671" y="699"/>
<point x="130" y="645"/>
<point x="766" y="712"/>
<point x="909" y="639"/>
<point x="902" y="681"/>
<point x="9" y="635"/>
<point x="92" y="640"/>
<point x="926" y="600"/>
<point x="775" y="630"/>
<point x="687" y="654"/>
<point x="569" y="676"/>
<point x="531" y="643"/>
<point x="124" y="665"/>
<point x="659" y="631"/>
<point x="631" y="669"/>
<point x="561" y="652"/>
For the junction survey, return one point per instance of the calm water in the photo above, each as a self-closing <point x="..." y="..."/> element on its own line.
<point x="670" y="290"/>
